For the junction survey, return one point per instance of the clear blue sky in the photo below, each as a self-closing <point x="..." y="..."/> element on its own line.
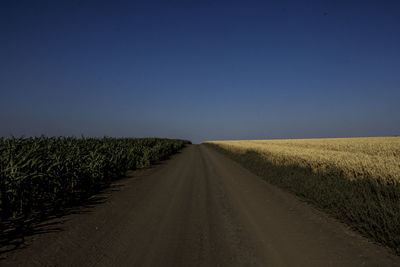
<point x="202" y="70"/>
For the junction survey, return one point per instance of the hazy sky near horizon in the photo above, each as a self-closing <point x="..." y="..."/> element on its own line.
<point x="200" y="70"/>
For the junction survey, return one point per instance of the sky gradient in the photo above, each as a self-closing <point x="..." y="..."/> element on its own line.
<point x="202" y="70"/>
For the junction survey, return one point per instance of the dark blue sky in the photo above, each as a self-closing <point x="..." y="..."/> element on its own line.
<point x="202" y="71"/>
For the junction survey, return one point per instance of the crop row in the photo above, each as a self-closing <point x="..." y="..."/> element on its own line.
<point x="41" y="173"/>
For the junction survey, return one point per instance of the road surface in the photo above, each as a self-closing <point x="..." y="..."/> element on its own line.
<point x="197" y="209"/>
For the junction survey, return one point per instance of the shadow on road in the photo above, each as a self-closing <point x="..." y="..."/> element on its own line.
<point x="13" y="232"/>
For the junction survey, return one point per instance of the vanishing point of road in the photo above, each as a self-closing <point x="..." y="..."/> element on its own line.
<point x="197" y="209"/>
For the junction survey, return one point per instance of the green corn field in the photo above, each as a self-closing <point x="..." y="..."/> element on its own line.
<point x="39" y="173"/>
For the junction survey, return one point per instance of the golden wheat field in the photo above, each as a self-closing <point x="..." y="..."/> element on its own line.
<point x="376" y="157"/>
<point x="356" y="180"/>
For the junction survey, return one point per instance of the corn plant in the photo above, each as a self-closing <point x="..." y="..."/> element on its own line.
<point x="41" y="173"/>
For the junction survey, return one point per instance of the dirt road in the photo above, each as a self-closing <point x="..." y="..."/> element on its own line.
<point x="197" y="209"/>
